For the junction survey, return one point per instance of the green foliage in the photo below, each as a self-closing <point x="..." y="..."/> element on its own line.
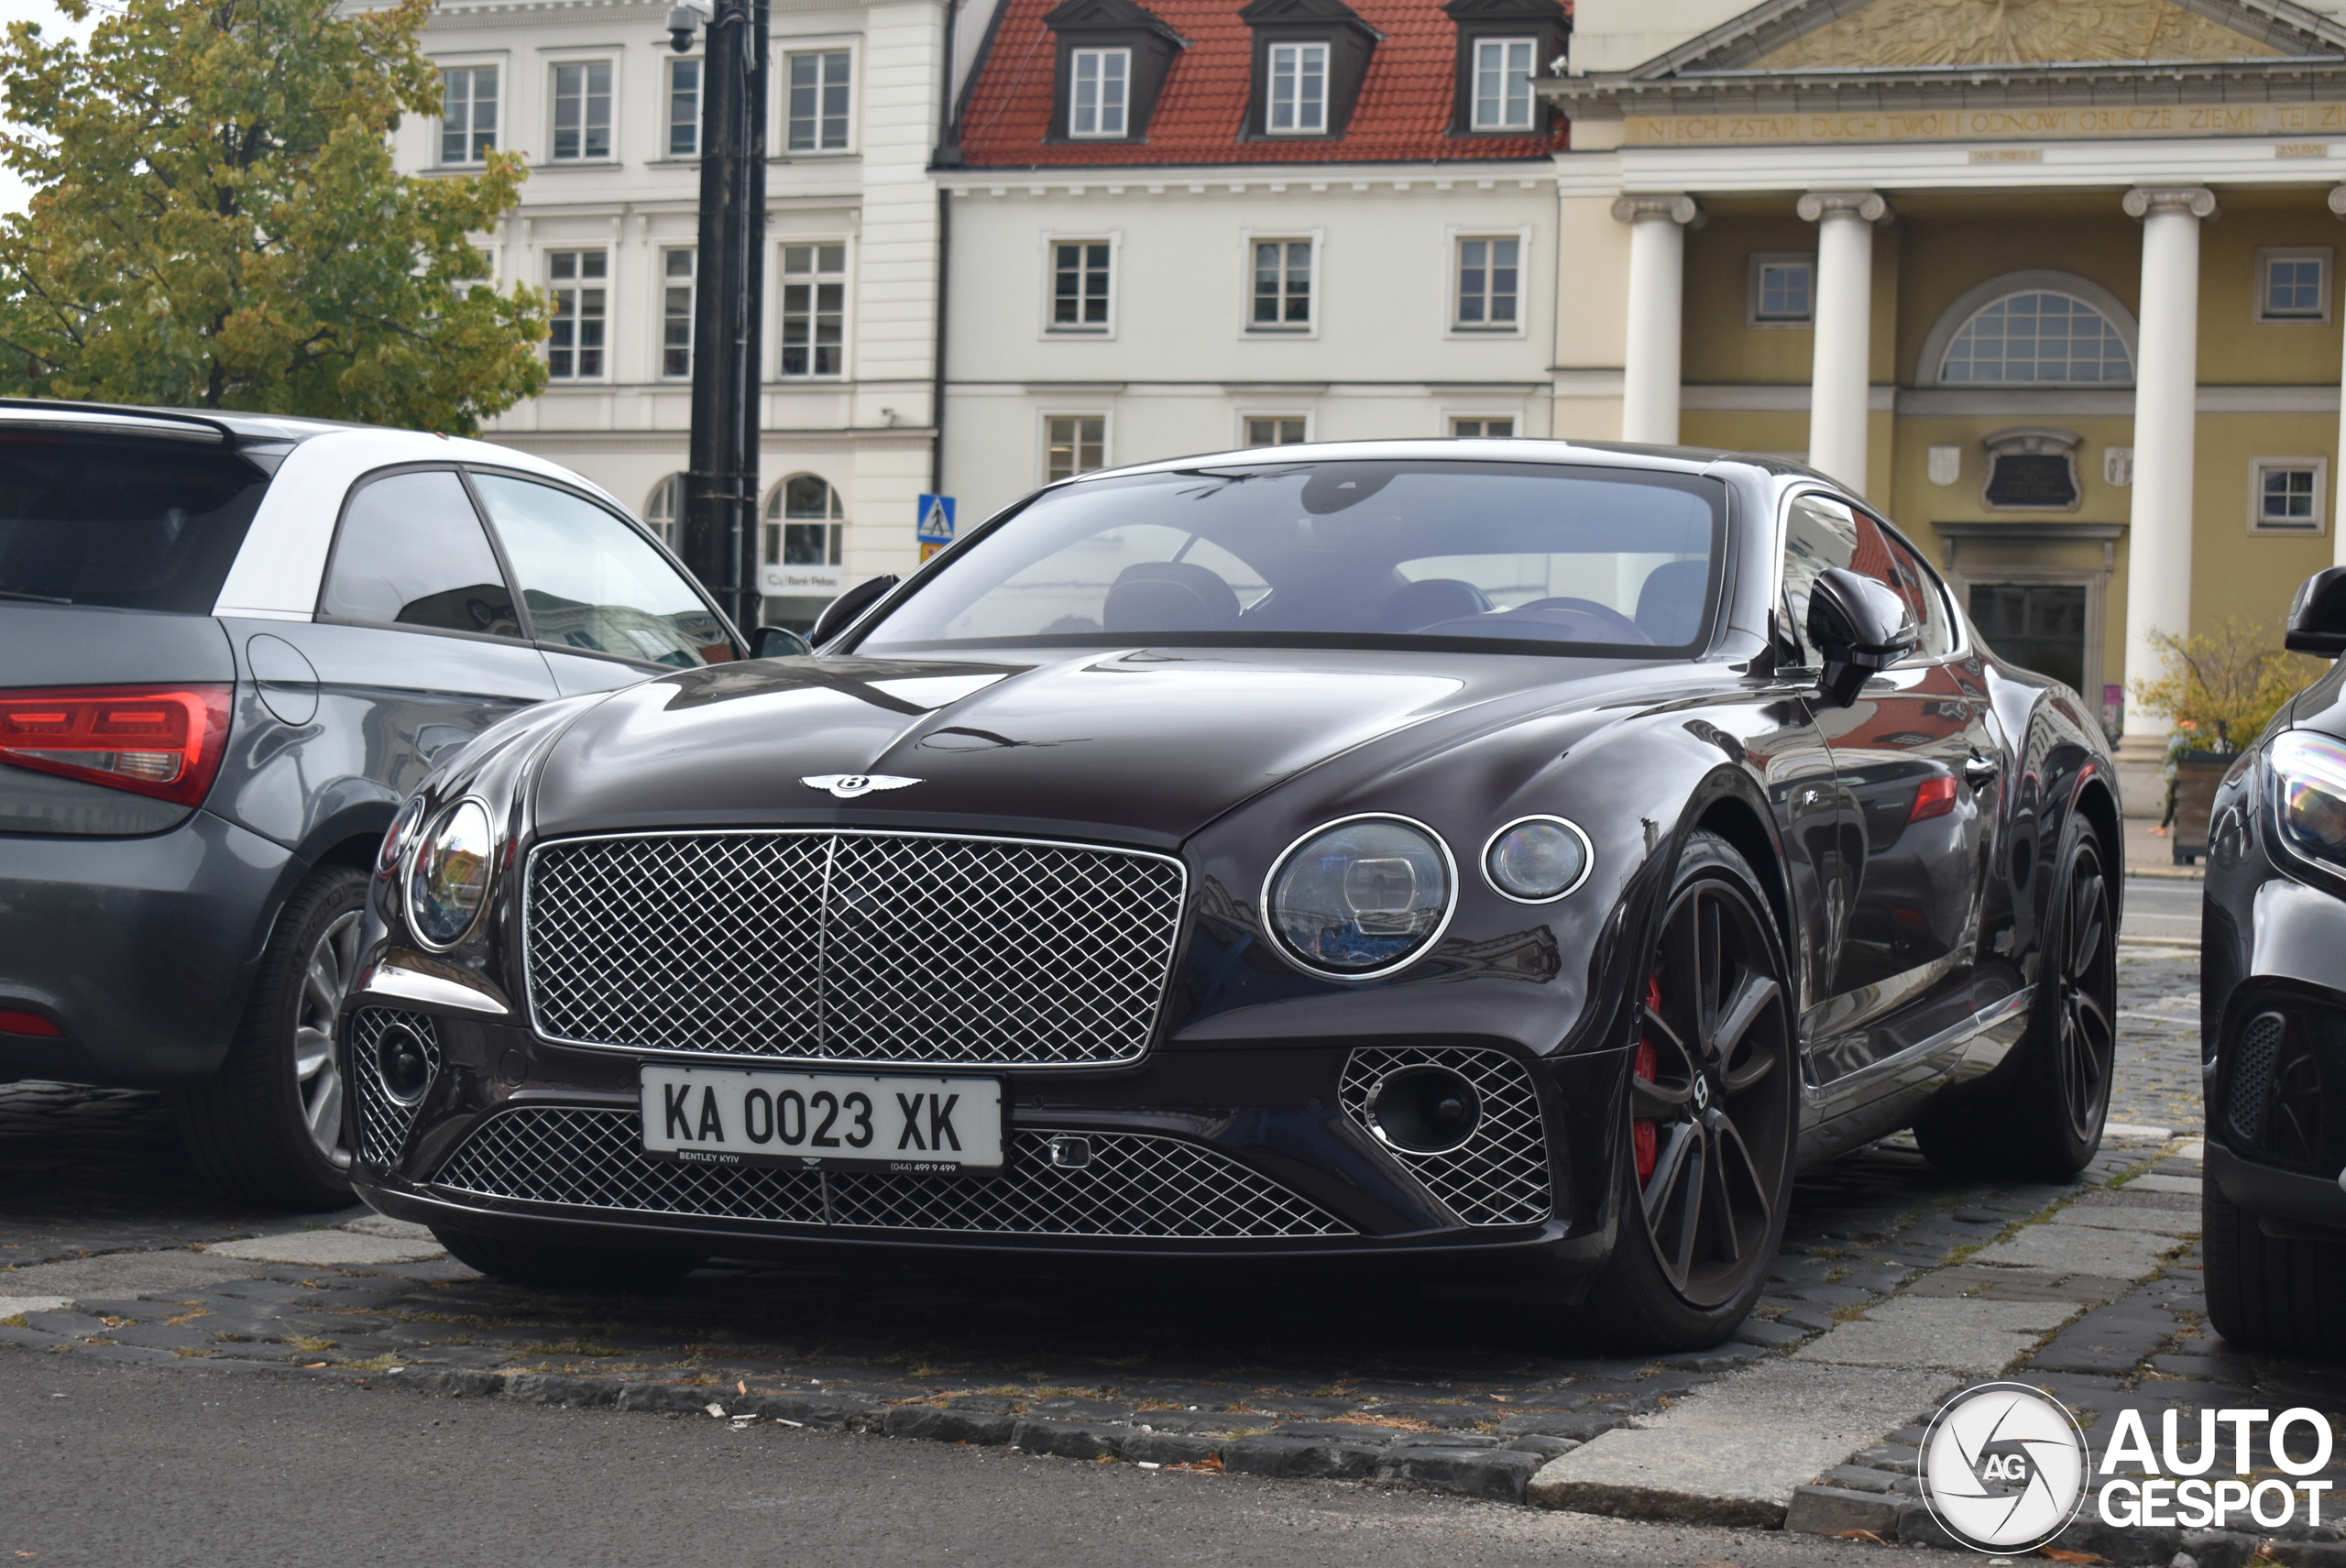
<point x="216" y="220"/>
<point x="2222" y="687"/>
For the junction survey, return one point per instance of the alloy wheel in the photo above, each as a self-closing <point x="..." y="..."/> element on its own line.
<point x="1710" y="1106"/>
<point x="317" y="1082"/>
<point x="2087" y="982"/>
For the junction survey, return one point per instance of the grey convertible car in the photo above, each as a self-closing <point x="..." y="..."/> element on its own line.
<point x="230" y="645"/>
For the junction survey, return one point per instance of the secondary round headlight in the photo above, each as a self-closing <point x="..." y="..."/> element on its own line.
<point x="1537" y="859"/>
<point x="450" y="882"/>
<point x="1361" y="897"/>
<point x="2309" y="792"/>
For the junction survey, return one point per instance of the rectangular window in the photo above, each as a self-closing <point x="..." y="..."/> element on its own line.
<point x="1276" y="430"/>
<point x="1282" y="286"/>
<point x="684" y="108"/>
<point x="814" y="310"/>
<point x="1482" y="428"/>
<point x="468" y="113"/>
<point x="1098" y="94"/>
<point x="582" y="111"/>
<point x="1489" y="276"/>
<point x="579" y="280"/>
<point x="2287" y="494"/>
<point x="676" y="312"/>
<point x="818" y="102"/>
<point x="1079" y="286"/>
<point x="1783" y="291"/>
<point x="1074" y="444"/>
<point x="2292" y="285"/>
<point x="1503" y="85"/>
<point x="1298" y="90"/>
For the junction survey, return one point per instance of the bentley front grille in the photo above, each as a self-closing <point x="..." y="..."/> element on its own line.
<point x="1128" y="1185"/>
<point x="383" y="1117"/>
<point x="1499" y="1175"/>
<point x="851" y="946"/>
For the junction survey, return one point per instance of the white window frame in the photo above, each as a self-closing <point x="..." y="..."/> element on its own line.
<point x="503" y="140"/>
<point x="1530" y="124"/>
<point x="777" y="281"/>
<point x="1456" y="237"/>
<point x="2266" y="255"/>
<point x="1245" y="415"/>
<point x="545" y="255"/>
<point x="558" y="61"/>
<point x="1247" y="240"/>
<point x="1450" y="418"/>
<point x="1297" y="48"/>
<point x="1043" y="438"/>
<point x="660" y="251"/>
<point x="1756" y="266"/>
<point x="2319" y="524"/>
<point x="1123" y="105"/>
<point x="778" y="116"/>
<point x="1051" y="240"/>
<point x="666" y="129"/>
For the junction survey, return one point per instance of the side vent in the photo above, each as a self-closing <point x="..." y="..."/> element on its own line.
<point x="394" y="1060"/>
<point x="1463" y="1120"/>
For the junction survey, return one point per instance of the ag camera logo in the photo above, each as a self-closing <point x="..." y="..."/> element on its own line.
<point x="2004" y="1467"/>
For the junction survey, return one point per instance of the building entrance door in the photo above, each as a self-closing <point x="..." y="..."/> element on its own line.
<point x="2038" y="626"/>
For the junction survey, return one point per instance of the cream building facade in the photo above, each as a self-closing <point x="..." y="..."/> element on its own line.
<point x="2056" y="284"/>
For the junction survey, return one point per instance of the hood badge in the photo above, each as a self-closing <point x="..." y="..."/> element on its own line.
<point x="847" y="786"/>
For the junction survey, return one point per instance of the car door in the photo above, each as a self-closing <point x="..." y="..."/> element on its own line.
<point x="415" y="648"/>
<point x="1918" y="763"/>
<point x="604" y="606"/>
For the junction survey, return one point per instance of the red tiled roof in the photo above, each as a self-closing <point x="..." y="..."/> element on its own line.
<point x="1403" y="115"/>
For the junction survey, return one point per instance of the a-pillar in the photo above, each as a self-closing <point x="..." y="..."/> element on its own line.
<point x="1657" y="309"/>
<point x="1840" y="375"/>
<point x="2166" y="395"/>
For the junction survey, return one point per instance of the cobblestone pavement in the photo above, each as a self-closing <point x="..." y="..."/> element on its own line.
<point x="1299" y="1372"/>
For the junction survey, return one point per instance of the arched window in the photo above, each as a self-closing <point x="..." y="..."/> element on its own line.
<point x="803" y="526"/>
<point x="2040" y="328"/>
<point x="659" y="511"/>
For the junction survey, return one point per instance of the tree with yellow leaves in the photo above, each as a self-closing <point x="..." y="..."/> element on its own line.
<point x="2220" y="688"/>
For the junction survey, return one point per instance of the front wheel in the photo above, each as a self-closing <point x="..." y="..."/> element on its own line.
<point x="1709" y="1118"/>
<point x="2268" y="1293"/>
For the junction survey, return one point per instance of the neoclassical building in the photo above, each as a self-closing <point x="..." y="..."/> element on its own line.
<point x="2055" y="283"/>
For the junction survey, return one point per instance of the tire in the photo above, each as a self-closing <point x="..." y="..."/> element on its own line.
<point x="2040" y="1113"/>
<point x="551" y="1265"/>
<point x="2265" y="1293"/>
<point x="267" y="1129"/>
<point x="1713" y="1072"/>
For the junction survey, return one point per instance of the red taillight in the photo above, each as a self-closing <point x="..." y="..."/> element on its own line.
<point x="1936" y="798"/>
<point x="15" y="1021"/>
<point x="163" y="741"/>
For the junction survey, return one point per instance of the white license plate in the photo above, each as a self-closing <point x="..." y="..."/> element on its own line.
<point x="724" y="1116"/>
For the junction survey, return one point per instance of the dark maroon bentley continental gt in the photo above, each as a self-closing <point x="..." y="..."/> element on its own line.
<point x="1510" y="858"/>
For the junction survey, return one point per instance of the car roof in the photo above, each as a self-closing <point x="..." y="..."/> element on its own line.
<point x="1488" y="449"/>
<point x="201" y="425"/>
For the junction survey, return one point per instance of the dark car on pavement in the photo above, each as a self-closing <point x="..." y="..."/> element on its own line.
<point x="1514" y="859"/>
<point x="231" y="645"/>
<point x="2272" y="1013"/>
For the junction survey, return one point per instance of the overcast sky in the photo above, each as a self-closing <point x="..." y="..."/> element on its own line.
<point x="12" y="192"/>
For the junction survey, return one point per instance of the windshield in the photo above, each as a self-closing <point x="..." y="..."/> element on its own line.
<point x="121" y="521"/>
<point x="1376" y="554"/>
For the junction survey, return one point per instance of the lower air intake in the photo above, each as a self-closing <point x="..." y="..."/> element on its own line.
<point x="1500" y="1176"/>
<point x="386" y="1114"/>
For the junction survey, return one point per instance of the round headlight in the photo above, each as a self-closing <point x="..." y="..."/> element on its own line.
<point x="1536" y="859"/>
<point x="450" y="882"/>
<point x="2309" y="786"/>
<point x="1362" y="897"/>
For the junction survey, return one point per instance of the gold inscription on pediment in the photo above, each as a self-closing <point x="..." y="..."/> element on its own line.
<point x="2014" y="32"/>
<point x="2182" y="121"/>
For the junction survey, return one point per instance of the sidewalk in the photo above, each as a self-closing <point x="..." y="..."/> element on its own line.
<point x="2149" y="853"/>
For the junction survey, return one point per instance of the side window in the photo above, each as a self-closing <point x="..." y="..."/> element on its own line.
<point x="1884" y="557"/>
<point x="410" y="552"/>
<point x="594" y="585"/>
<point x="1819" y="532"/>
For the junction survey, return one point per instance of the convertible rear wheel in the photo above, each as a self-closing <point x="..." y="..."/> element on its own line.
<point x="1711" y="1111"/>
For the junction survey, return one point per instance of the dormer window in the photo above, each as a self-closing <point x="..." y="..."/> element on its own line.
<point x="1502" y="46"/>
<point x="1114" y="56"/>
<point x="1310" y="57"/>
<point x="1298" y="90"/>
<point x="1503" y="85"/>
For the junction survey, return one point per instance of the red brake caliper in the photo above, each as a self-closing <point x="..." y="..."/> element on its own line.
<point x="1642" y="1131"/>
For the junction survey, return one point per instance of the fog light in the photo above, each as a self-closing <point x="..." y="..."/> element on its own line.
<point x="1425" y="1110"/>
<point x="402" y="1065"/>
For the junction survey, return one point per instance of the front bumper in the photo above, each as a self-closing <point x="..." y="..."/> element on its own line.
<point x="141" y="950"/>
<point x="1257" y="1148"/>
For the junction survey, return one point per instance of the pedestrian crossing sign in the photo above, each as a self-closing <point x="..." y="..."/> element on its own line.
<point x="936" y="526"/>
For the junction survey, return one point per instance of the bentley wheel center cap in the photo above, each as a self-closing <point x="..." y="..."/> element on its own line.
<point x="1701" y="1092"/>
<point x="847" y="786"/>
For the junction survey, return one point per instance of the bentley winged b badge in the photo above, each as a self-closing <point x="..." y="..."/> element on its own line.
<point x="847" y="786"/>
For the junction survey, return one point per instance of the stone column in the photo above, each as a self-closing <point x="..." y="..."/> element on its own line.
<point x="1657" y="313"/>
<point x="2338" y="464"/>
<point x="1841" y="373"/>
<point x="2166" y="393"/>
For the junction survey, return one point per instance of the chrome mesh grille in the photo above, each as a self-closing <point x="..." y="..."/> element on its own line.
<point x="383" y="1122"/>
<point x="862" y="946"/>
<point x="1137" y="1186"/>
<point x="1499" y="1177"/>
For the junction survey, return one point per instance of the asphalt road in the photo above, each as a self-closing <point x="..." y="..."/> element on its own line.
<point x="2162" y="908"/>
<point x="112" y="1466"/>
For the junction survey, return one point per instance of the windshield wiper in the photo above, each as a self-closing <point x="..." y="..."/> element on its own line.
<point x="32" y="598"/>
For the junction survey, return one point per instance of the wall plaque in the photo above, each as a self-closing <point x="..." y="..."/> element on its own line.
<point x="2032" y="470"/>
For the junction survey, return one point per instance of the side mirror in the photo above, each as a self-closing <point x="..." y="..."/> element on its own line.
<point x="2317" y="615"/>
<point x="1860" y="627"/>
<point x="777" y="642"/>
<point x="842" y="611"/>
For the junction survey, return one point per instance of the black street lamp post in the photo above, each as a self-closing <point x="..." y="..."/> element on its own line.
<point x="719" y="509"/>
